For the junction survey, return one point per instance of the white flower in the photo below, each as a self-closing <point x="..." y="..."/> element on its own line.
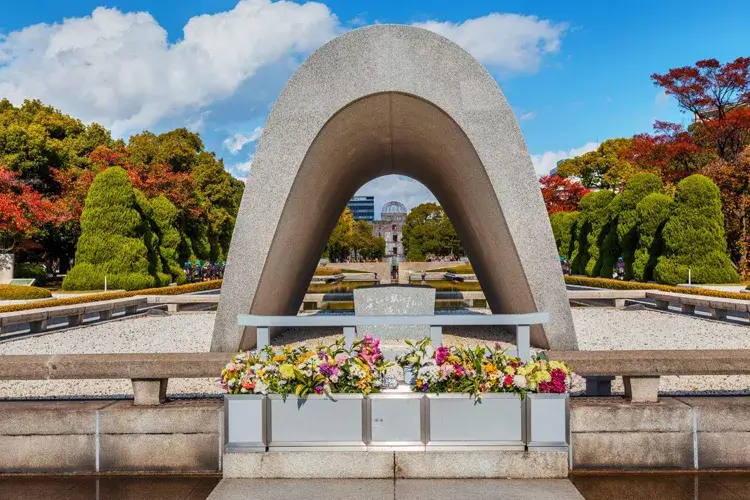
<point x="520" y="381"/>
<point x="261" y="387"/>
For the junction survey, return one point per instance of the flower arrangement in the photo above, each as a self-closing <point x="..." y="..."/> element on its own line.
<point x="302" y="371"/>
<point x="481" y="369"/>
<point x="546" y="376"/>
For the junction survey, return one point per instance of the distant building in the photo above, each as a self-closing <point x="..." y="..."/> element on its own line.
<point x="362" y="207"/>
<point x="390" y="227"/>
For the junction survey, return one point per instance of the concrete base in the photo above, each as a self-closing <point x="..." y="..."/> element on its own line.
<point x="400" y="464"/>
<point x="387" y="489"/>
<point x="105" y="315"/>
<point x="173" y="308"/>
<point x="75" y="320"/>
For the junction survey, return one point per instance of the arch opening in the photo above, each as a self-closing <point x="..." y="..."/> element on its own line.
<point x="381" y="134"/>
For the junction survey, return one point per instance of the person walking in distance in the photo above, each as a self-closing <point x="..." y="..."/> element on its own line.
<point x="424" y="278"/>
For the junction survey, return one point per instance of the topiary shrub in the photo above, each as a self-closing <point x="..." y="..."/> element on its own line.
<point x="624" y="213"/>
<point x="653" y="212"/>
<point x="562" y="228"/>
<point x="327" y="271"/>
<point x="694" y="237"/>
<point x="165" y="216"/>
<point x="16" y="292"/>
<point x="594" y="218"/>
<point x="112" y="238"/>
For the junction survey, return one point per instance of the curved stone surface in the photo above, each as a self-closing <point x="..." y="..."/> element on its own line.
<point x="381" y="100"/>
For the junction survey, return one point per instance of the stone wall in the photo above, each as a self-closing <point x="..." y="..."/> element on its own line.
<point x="187" y="435"/>
<point x="406" y="268"/>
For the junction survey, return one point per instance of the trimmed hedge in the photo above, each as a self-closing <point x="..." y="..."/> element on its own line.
<point x="85" y="299"/>
<point x="458" y="269"/>
<point x="634" y="285"/>
<point x="114" y="238"/>
<point x="17" y="292"/>
<point x="327" y="271"/>
<point x="694" y="237"/>
<point x="653" y="211"/>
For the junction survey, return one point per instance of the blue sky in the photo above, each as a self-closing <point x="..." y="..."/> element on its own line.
<point x="576" y="73"/>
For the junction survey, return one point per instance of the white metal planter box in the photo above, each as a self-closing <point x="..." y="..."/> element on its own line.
<point x="245" y="422"/>
<point x="456" y="420"/>
<point x="335" y="422"/>
<point x="395" y="421"/>
<point x="547" y="422"/>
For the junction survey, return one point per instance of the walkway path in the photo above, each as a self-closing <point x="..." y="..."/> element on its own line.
<point x="401" y="489"/>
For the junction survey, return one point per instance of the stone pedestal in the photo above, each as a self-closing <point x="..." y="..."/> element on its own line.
<point x="395" y="300"/>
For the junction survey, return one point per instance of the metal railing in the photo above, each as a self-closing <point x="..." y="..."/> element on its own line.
<point x="520" y="322"/>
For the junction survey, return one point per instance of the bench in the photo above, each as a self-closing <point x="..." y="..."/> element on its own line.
<point x="38" y="318"/>
<point x="616" y="297"/>
<point x="174" y="302"/>
<point x="641" y="369"/>
<point x="688" y="302"/>
<point x="150" y="373"/>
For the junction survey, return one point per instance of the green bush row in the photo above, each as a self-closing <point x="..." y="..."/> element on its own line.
<point x="658" y="237"/>
<point x="16" y="292"/>
<point x="97" y="297"/>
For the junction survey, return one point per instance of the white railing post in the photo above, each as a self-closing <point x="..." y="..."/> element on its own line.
<point x="263" y="338"/>
<point x="436" y="335"/>
<point x="523" y="342"/>
<point x="350" y="333"/>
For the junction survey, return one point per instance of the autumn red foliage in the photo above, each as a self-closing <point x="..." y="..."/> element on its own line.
<point x="23" y="210"/>
<point x="561" y="194"/>
<point x="718" y="96"/>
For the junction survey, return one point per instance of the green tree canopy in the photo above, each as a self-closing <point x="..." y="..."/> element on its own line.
<point x="429" y="231"/>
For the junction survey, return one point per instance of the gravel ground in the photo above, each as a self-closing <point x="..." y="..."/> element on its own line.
<point x="598" y="329"/>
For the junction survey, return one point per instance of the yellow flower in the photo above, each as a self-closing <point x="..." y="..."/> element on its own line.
<point x="509" y="370"/>
<point x="278" y="358"/>
<point x="490" y="368"/>
<point x="559" y="365"/>
<point x="304" y="357"/>
<point x="286" y="370"/>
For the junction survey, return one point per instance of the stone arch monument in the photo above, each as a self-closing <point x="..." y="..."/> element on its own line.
<point x="391" y="99"/>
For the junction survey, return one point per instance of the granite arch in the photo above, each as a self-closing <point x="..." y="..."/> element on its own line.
<point x="380" y="100"/>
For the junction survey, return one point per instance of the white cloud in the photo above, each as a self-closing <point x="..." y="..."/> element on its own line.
<point x="510" y="42"/>
<point x="661" y="99"/>
<point x="528" y="116"/>
<point x="545" y="162"/>
<point x="238" y="141"/>
<point x="118" y="68"/>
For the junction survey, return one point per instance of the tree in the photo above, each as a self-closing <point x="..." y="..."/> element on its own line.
<point x="23" y="211"/>
<point x="112" y="241"/>
<point x="717" y="95"/>
<point x="653" y="212"/>
<point x="670" y="152"/>
<point x="694" y="237"/>
<point x="561" y="194"/>
<point x="339" y="244"/>
<point x="605" y="168"/>
<point x="733" y="180"/>
<point x="429" y="231"/>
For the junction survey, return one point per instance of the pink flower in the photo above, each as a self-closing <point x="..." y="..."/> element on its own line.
<point x="441" y="354"/>
<point x="341" y="358"/>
